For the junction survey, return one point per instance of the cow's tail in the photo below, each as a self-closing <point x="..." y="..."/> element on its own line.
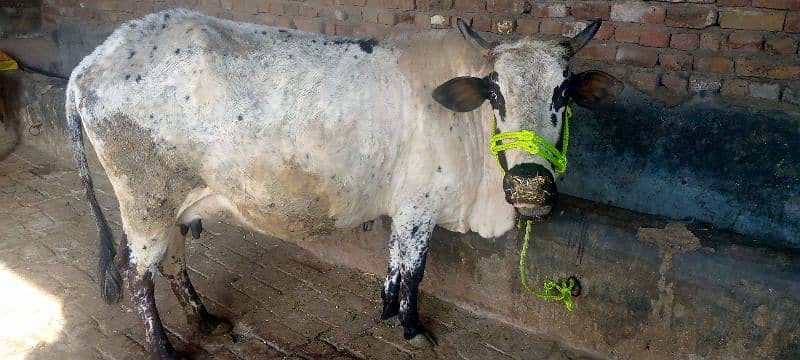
<point x="110" y="281"/>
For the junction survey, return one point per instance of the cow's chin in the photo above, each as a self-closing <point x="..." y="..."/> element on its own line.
<point x="535" y="212"/>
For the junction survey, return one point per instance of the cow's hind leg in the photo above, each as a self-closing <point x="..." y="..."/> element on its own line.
<point x="139" y="277"/>
<point x="173" y="267"/>
<point x="391" y="286"/>
<point x="407" y="255"/>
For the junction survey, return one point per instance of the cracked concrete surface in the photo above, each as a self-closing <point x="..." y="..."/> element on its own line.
<point x="284" y="302"/>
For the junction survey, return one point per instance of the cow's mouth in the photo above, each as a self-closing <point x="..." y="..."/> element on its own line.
<point x="531" y="189"/>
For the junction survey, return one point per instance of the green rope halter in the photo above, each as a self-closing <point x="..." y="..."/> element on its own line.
<point x="532" y="143"/>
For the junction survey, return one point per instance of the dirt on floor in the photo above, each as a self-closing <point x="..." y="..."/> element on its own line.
<point x="284" y="302"/>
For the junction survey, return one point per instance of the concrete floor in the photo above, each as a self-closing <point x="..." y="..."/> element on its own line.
<point x="284" y="302"/>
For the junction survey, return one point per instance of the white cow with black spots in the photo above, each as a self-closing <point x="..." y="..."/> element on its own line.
<point x="293" y="134"/>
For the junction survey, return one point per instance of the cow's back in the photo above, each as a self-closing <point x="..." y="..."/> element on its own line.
<point x="291" y="127"/>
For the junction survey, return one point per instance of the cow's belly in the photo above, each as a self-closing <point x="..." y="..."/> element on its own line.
<point x="280" y="199"/>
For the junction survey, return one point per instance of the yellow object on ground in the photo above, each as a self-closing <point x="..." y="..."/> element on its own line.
<point x="7" y="63"/>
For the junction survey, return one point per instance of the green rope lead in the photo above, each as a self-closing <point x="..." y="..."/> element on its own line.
<point x="552" y="290"/>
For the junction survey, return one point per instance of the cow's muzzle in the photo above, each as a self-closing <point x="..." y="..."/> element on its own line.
<point x="531" y="189"/>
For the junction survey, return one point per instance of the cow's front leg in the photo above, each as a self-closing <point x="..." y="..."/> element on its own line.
<point x="173" y="267"/>
<point x="408" y="251"/>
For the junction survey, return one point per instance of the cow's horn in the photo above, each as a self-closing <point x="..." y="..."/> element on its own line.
<point x="574" y="44"/>
<point x="473" y="37"/>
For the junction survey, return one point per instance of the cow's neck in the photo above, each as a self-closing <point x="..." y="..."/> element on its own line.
<point x="491" y="215"/>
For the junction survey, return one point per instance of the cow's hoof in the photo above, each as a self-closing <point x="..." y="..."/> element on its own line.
<point x="214" y="326"/>
<point x="389" y="311"/>
<point x="422" y="341"/>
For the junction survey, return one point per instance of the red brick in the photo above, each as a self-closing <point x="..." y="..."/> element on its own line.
<point x="343" y="30"/>
<point x="527" y="26"/>
<point x="310" y="25"/>
<point x="369" y="30"/>
<point x="421" y="21"/>
<point x="308" y="11"/>
<point x="550" y="27"/>
<point x="638" y="12"/>
<point x="780" y="45"/>
<point x="549" y="10"/>
<point x="792" y="23"/>
<point x="771" y="69"/>
<point x="590" y="10"/>
<point x="354" y="2"/>
<point x="691" y="16"/>
<point x="746" y="19"/>
<point x="284" y="22"/>
<point x="777" y="4"/>
<point x="387" y="18"/>
<point x="605" y="32"/>
<point x="470" y="5"/>
<point x="627" y="33"/>
<point x="684" y="41"/>
<point x="598" y="51"/>
<point x="644" y="80"/>
<point x="677" y="61"/>
<point x="506" y="6"/>
<point x="654" y="37"/>
<point x="637" y="55"/>
<point x="675" y="83"/>
<point x="710" y="41"/>
<point x="389" y="4"/>
<point x="734" y="87"/>
<point x="718" y="65"/>
<point x="434" y="5"/>
<point x="481" y="23"/>
<point x="745" y="41"/>
<point x="733" y="2"/>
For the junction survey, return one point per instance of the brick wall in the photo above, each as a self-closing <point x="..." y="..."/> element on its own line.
<point x="746" y="49"/>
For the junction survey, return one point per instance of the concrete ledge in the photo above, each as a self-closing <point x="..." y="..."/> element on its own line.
<point x="651" y="288"/>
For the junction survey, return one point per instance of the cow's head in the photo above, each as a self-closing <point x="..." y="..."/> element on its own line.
<point x="529" y="88"/>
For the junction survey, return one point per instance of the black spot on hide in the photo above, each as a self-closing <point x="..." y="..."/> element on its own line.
<point x="367" y="45"/>
<point x="566" y="73"/>
<point x="263" y="32"/>
<point x="560" y="97"/>
<point x="553" y="119"/>
<point x="177" y="51"/>
<point x="355" y="56"/>
<point x="166" y="16"/>
<point x="414" y="230"/>
<point x="439" y="168"/>
<point x="240" y="117"/>
<point x="186" y="98"/>
<point x="138" y="78"/>
<point x="427" y="195"/>
<point x="151" y="116"/>
<point x="325" y="43"/>
<point x="127" y="76"/>
<point x="163" y="26"/>
<point x="314" y="41"/>
<point x="130" y="55"/>
<point x="155" y="47"/>
<point x="281" y="30"/>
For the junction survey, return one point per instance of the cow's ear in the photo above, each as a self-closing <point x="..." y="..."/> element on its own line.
<point x="594" y="88"/>
<point x="462" y="94"/>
